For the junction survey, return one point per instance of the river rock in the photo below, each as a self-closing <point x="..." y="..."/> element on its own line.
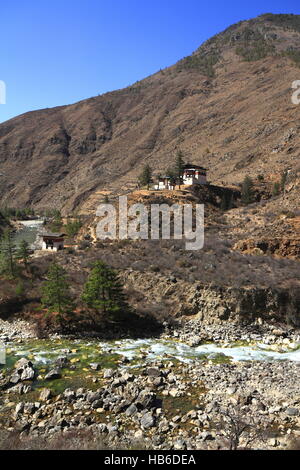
<point x="27" y="374"/>
<point x="22" y="363"/>
<point x="214" y="356"/>
<point x="19" y="408"/>
<point x="194" y="341"/>
<point x="62" y="361"/>
<point x="102" y="428"/>
<point x="45" y="394"/>
<point x="148" y="421"/>
<point x="29" y="408"/>
<point x="292" y="412"/>
<point x="53" y="374"/>
<point x="153" y="372"/>
<point x="69" y="394"/>
<point x="145" y="399"/>
<point x="93" y="396"/>
<point x="15" y="378"/>
<point x="108" y="373"/>
<point x="131" y="410"/>
<point x="124" y="360"/>
<point x="180" y="444"/>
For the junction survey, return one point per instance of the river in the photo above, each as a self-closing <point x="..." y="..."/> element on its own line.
<point x="28" y="232"/>
<point x="78" y="355"/>
<point x="44" y="351"/>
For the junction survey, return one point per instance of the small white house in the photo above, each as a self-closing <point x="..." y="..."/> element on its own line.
<point x="164" y="182"/>
<point x="53" y="241"/>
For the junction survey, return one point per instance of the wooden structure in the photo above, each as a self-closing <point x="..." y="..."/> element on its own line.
<point x="53" y="241"/>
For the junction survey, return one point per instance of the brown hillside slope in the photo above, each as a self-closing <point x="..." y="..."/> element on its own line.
<point x="228" y="107"/>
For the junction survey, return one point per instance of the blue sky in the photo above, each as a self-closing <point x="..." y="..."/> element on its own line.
<point x="56" y="52"/>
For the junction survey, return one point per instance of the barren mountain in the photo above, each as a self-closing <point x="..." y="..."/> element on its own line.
<point x="227" y="106"/>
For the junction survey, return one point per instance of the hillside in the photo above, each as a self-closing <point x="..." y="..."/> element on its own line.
<point x="227" y="106"/>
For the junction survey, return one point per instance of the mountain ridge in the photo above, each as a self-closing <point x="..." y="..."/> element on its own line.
<point x="227" y="106"/>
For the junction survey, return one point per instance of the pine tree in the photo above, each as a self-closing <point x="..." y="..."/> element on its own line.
<point x="145" y="178"/>
<point x="56" y="294"/>
<point x="276" y="189"/>
<point x="7" y="255"/>
<point x="56" y="223"/>
<point x="23" y="253"/>
<point x="284" y="176"/>
<point x="20" y="289"/>
<point x="103" y="292"/>
<point x="72" y="228"/>
<point x="247" y="191"/>
<point x="171" y="174"/>
<point x="179" y="167"/>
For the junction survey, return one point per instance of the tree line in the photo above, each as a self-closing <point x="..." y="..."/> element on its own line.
<point x="12" y="258"/>
<point x="248" y="193"/>
<point x="102" y="295"/>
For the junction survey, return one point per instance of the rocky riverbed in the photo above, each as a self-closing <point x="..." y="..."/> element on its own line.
<point x="15" y="330"/>
<point x="164" y="393"/>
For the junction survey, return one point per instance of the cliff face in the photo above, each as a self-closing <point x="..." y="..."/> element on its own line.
<point x="214" y="304"/>
<point x="227" y="106"/>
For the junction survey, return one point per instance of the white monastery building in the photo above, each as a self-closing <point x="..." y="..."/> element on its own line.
<point x="192" y="174"/>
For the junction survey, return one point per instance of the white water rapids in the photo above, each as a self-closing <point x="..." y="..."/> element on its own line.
<point x="146" y="350"/>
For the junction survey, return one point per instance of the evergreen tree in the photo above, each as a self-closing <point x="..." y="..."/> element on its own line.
<point x="145" y="178"/>
<point x="72" y="228"/>
<point x="56" y="223"/>
<point x="7" y="255"/>
<point x="284" y="176"/>
<point x="23" y="253"/>
<point x="276" y="189"/>
<point x="20" y="289"/>
<point x="179" y="167"/>
<point x="247" y="191"/>
<point x="103" y="291"/>
<point x="56" y="294"/>
<point x="173" y="178"/>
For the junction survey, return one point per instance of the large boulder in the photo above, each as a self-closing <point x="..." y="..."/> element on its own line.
<point x="27" y="374"/>
<point x="23" y="371"/>
<point x="23" y="363"/>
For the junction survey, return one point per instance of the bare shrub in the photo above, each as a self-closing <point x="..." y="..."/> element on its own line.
<point x="73" y="439"/>
<point x="239" y="428"/>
